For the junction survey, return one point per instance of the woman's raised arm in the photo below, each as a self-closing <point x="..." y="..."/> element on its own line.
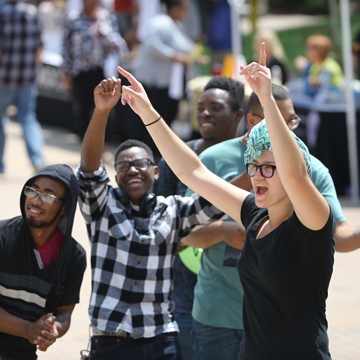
<point x="309" y="205"/>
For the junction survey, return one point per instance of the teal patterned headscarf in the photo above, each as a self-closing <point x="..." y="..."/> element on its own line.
<point x="258" y="140"/>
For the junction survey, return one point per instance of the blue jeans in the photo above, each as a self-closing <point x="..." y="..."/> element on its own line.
<point x="213" y="343"/>
<point x="161" y="347"/>
<point x="184" y="321"/>
<point x="24" y="98"/>
<point x="183" y="297"/>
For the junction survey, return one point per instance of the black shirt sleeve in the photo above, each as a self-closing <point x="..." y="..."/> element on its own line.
<point x="71" y="286"/>
<point x="248" y="210"/>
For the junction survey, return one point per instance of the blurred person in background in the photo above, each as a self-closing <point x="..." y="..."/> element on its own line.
<point x="136" y="19"/>
<point x="192" y="21"/>
<point x="147" y="9"/>
<point x="20" y="49"/>
<point x="90" y="35"/>
<point x="125" y="11"/>
<point x="163" y="65"/>
<point x="275" y="56"/>
<point x="219" y="111"/>
<point x="321" y="72"/>
<point x="219" y="31"/>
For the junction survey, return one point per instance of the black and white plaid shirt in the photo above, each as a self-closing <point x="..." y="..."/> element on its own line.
<point x="132" y="256"/>
<point x="88" y="40"/>
<point x="20" y="38"/>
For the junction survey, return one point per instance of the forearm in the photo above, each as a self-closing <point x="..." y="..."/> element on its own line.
<point x="347" y="238"/>
<point x="62" y="323"/>
<point x="216" y="232"/>
<point x="205" y="237"/>
<point x="13" y="325"/>
<point x="93" y="142"/>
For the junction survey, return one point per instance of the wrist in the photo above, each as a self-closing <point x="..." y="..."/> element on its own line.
<point x="25" y="329"/>
<point x="150" y="116"/>
<point x="102" y="112"/>
<point x="267" y="101"/>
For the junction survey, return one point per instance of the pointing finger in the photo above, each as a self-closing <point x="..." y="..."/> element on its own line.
<point x="130" y="77"/>
<point x="262" y="54"/>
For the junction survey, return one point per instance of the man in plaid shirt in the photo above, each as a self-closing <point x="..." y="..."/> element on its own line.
<point x="20" y="49"/>
<point x="133" y="237"/>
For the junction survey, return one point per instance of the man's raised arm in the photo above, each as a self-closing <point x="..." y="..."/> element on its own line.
<point x="106" y="95"/>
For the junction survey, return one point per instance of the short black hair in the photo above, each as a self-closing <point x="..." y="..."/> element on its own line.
<point x="133" y="143"/>
<point x="279" y="93"/>
<point x="233" y="87"/>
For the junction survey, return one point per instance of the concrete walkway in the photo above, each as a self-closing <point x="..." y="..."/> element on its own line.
<point x="343" y="306"/>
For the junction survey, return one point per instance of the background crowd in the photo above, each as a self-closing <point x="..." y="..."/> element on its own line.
<point x="83" y="41"/>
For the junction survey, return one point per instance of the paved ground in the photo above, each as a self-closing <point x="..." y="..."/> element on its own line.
<point x="343" y="306"/>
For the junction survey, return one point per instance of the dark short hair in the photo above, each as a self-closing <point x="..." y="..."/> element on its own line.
<point x="133" y="143"/>
<point x="279" y="93"/>
<point x="233" y="87"/>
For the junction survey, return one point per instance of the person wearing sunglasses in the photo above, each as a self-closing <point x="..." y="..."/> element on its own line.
<point x="41" y="265"/>
<point x="134" y="236"/>
<point x="286" y="263"/>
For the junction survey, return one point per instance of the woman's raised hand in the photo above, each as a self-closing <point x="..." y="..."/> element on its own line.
<point x="135" y="95"/>
<point x="258" y="75"/>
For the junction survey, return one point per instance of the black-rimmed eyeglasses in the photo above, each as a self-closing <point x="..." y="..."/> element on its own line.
<point x="292" y="123"/>
<point x="45" y="198"/>
<point x="267" y="171"/>
<point x="140" y="164"/>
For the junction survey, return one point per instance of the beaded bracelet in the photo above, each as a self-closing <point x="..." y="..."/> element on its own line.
<point x="153" y="122"/>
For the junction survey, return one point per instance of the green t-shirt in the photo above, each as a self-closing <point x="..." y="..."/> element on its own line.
<point x="218" y="292"/>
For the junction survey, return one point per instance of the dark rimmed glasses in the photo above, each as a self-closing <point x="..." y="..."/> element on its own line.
<point x="266" y="171"/>
<point x="292" y="124"/>
<point x="45" y="198"/>
<point x="140" y="164"/>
